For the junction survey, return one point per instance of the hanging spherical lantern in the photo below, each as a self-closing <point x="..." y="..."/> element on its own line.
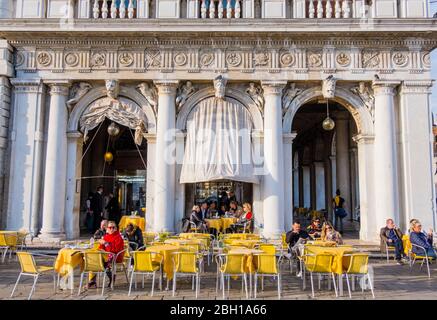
<point x="108" y="156"/>
<point x="328" y="124"/>
<point x="113" y="129"/>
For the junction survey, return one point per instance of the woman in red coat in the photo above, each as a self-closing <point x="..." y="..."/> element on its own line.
<point x="111" y="242"/>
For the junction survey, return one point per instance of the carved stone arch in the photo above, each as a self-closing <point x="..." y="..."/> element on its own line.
<point x="100" y="92"/>
<point x="205" y="93"/>
<point x="347" y="99"/>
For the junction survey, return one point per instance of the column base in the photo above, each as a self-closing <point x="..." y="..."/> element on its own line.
<point x="52" y="237"/>
<point x="272" y="235"/>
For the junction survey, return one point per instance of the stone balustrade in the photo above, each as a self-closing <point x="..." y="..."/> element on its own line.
<point x="216" y="9"/>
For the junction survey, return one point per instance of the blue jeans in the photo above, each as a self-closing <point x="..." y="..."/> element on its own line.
<point x="399" y="248"/>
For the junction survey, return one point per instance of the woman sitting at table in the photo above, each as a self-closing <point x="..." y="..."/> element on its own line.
<point x="329" y="234"/>
<point x="195" y="218"/>
<point x="421" y="239"/>
<point x="245" y="219"/>
<point x="134" y="235"/>
<point x="113" y="243"/>
<point x="315" y="229"/>
<point x="233" y="209"/>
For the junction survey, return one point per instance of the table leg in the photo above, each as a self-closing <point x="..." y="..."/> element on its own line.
<point x="340" y="285"/>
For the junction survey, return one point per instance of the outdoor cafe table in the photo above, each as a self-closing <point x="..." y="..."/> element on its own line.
<point x="228" y="222"/>
<point x="135" y="220"/>
<point x="250" y="244"/>
<point x="193" y="235"/>
<point x="337" y="264"/>
<point x="181" y="242"/>
<point x="67" y="260"/>
<point x="166" y="250"/>
<point x="10" y="238"/>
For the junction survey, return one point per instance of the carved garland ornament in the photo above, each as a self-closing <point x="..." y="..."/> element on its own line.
<point x="370" y="59"/>
<point x="261" y="59"/>
<point x="343" y="59"/>
<point x="98" y="59"/>
<point x="233" y="59"/>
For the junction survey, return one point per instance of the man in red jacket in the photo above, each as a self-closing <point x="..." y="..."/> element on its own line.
<point x="111" y="242"/>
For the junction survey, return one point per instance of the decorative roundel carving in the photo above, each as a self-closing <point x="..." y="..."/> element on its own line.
<point x="400" y="59"/>
<point x="287" y="59"/>
<point x="206" y="59"/>
<point x="180" y="59"/>
<point x="343" y="59"/>
<point x="315" y="59"/>
<point x="98" y="59"/>
<point x="19" y="59"/>
<point x="71" y="59"/>
<point x="370" y="59"/>
<point x="233" y="59"/>
<point x="125" y="59"/>
<point x="44" y="58"/>
<point x="426" y="59"/>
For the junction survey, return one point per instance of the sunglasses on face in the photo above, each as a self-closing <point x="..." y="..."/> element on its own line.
<point x="111" y="227"/>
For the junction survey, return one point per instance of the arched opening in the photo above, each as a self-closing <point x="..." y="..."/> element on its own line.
<point x="324" y="161"/>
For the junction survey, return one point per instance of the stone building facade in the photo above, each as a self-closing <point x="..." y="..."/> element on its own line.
<point x="150" y="64"/>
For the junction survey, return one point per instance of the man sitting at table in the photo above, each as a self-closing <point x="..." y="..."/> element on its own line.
<point x="111" y="242"/>
<point x="134" y="235"/>
<point x="314" y="229"/>
<point x="294" y="238"/>
<point x="392" y="236"/>
<point x="101" y="231"/>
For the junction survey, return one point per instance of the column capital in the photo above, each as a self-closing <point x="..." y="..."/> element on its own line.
<point x="416" y="86"/>
<point x="150" y="137"/>
<point x="273" y="87"/>
<point x="363" y="139"/>
<point x="166" y="86"/>
<point x="27" y="85"/>
<point x="288" y="138"/>
<point x="384" y="87"/>
<point x="58" y="87"/>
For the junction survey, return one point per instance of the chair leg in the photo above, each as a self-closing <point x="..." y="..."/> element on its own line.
<point x="335" y="285"/>
<point x="197" y="284"/>
<point x="255" y="285"/>
<point x="371" y="285"/>
<point x="153" y="283"/>
<point x="103" y="282"/>
<point x="33" y="287"/>
<point x="262" y="282"/>
<point x="217" y="281"/>
<point x="222" y="278"/>
<point x="130" y="284"/>
<point x="142" y="281"/>
<point x="245" y="285"/>
<point x="80" y="283"/>
<point x="312" y="284"/>
<point x="16" y="284"/>
<point x="174" y="283"/>
<point x="54" y="282"/>
<point x="348" y="286"/>
<point x="192" y="283"/>
<point x="279" y="286"/>
<point x="427" y="267"/>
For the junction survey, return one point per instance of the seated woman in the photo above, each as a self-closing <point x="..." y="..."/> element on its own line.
<point x="315" y="229"/>
<point x="245" y="219"/>
<point x="233" y="209"/>
<point x="329" y="234"/>
<point x="195" y="218"/>
<point x="422" y="239"/>
<point x="134" y="235"/>
<point x="111" y="242"/>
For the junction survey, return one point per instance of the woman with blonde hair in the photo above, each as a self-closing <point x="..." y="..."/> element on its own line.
<point x="329" y="234"/>
<point x="245" y="218"/>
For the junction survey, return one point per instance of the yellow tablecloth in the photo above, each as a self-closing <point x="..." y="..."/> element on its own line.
<point x="227" y="223"/>
<point x="204" y="236"/>
<point x="250" y="244"/>
<point x="338" y="252"/>
<point x="249" y="263"/>
<point x="67" y="260"/>
<point x="243" y="236"/>
<point x="181" y="242"/>
<point x="10" y="238"/>
<point x="321" y="243"/>
<point x="166" y="250"/>
<point x="214" y="224"/>
<point x="135" y="220"/>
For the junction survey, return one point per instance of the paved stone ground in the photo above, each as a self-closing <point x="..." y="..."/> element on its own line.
<point x="391" y="282"/>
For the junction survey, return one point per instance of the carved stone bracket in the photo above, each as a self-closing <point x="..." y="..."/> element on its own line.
<point x="256" y="94"/>
<point x="365" y="93"/>
<point x="220" y="87"/>
<point x="150" y="92"/>
<point x="183" y="93"/>
<point x="289" y="94"/>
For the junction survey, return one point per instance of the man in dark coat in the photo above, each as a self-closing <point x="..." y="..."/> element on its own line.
<point x="97" y="207"/>
<point x="113" y="209"/>
<point x="392" y="236"/>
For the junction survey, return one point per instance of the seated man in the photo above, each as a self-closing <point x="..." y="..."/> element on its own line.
<point x="294" y="238"/>
<point x="314" y="229"/>
<point x="134" y="235"/>
<point x="392" y="236"/>
<point x="421" y="239"/>
<point x="100" y="233"/>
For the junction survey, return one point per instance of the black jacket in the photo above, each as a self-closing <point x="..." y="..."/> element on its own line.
<point x="97" y="203"/>
<point x="291" y="237"/>
<point x="136" y="237"/>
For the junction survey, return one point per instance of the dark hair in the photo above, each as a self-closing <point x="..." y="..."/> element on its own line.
<point x="100" y="187"/>
<point x="337" y="192"/>
<point x="234" y="202"/>
<point x="296" y="222"/>
<point x="130" y="227"/>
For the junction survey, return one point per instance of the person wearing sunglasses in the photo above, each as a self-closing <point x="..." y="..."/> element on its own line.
<point x="113" y="243"/>
<point x="329" y="234"/>
<point x="422" y="239"/>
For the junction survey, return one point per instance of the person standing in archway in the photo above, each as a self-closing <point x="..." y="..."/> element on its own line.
<point x="339" y="211"/>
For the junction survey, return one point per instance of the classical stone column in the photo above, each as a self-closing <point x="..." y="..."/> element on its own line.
<point x="164" y="205"/>
<point x="386" y="172"/>
<point x="5" y="106"/>
<point x="273" y="180"/>
<point x="150" y="180"/>
<point x="354" y="179"/>
<point x="418" y="193"/>
<point x="26" y="151"/>
<point x="73" y="185"/>
<point x="257" y="194"/>
<point x="342" y="158"/>
<point x="369" y="227"/>
<point x="313" y="185"/>
<point x="319" y="171"/>
<point x="6" y="9"/>
<point x="180" y="187"/>
<point x="56" y="163"/>
<point x="288" y="178"/>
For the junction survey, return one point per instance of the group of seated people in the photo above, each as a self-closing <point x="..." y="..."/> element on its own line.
<point x="422" y="243"/>
<point x="112" y="241"/>
<point x="205" y="211"/>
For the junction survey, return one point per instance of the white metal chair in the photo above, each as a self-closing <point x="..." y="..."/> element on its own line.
<point x="358" y="266"/>
<point x="424" y="258"/>
<point x="231" y="265"/>
<point x="320" y="264"/>
<point x="8" y="242"/>
<point x="144" y="264"/>
<point x="267" y="267"/>
<point x="187" y="263"/>
<point x="94" y="264"/>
